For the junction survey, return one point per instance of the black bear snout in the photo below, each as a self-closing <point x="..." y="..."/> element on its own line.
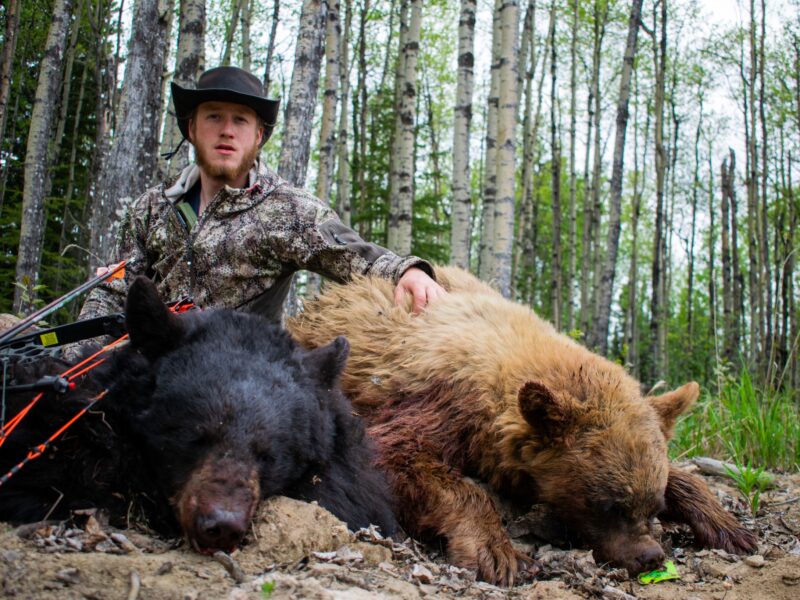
<point x="220" y="529"/>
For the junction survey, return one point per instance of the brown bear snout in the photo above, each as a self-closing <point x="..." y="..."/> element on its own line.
<point x="637" y="556"/>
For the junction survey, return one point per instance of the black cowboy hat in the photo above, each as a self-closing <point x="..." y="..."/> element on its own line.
<point x="225" y="84"/>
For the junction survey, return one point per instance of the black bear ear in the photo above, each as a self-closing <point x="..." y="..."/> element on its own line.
<point x="551" y="416"/>
<point x="152" y="327"/>
<point x="326" y="363"/>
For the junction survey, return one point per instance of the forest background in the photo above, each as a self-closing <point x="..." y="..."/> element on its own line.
<point x="625" y="168"/>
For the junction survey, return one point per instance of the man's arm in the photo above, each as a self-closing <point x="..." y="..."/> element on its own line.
<point x="338" y="252"/>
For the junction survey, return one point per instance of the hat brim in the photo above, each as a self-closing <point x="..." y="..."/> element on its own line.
<point x="186" y="100"/>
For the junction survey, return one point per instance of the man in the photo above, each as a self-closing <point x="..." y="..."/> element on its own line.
<point x="230" y="232"/>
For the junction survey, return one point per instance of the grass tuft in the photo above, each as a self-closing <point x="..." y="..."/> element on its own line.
<point x="742" y="424"/>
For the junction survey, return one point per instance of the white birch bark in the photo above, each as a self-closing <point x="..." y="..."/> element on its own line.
<point x="327" y="134"/>
<point x="130" y="164"/>
<point x="486" y="266"/>
<point x="462" y="201"/>
<point x="401" y="194"/>
<point x="506" y="147"/>
<point x="31" y="236"/>
<point x="299" y="114"/>
<point x="189" y="64"/>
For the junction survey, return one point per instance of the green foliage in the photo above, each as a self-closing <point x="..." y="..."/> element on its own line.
<point x="750" y="482"/>
<point x="743" y="423"/>
<point x="267" y="588"/>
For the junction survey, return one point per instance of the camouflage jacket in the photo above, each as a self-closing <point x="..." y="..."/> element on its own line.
<point x="242" y="251"/>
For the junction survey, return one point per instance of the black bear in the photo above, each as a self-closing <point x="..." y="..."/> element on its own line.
<point x="205" y="414"/>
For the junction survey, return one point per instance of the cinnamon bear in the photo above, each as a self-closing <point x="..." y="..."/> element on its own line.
<point x="480" y="386"/>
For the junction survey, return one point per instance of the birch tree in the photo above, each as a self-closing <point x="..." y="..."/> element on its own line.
<point x="486" y="266"/>
<point x="401" y="164"/>
<point x="327" y="135"/>
<point x="503" y="241"/>
<point x="299" y="114"/>
<point x="31" y="235"/>
<point x="189" y="64"/>
<point x="130" y="165"/>
<point x="599" y="337"/>
<point x="462" y="200"/>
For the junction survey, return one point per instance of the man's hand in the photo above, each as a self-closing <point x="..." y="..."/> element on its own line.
<point x="422" y="288"/>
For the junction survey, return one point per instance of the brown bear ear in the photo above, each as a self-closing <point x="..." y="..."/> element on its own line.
<point x="550" y="416"/>
<point x="152" y="327"/>
<point x="671" y="405"/>
<point x="326" y="363"/>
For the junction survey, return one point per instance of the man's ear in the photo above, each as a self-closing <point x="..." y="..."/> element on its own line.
<point x="153" y="328"/>
<point x="671" y="405"/>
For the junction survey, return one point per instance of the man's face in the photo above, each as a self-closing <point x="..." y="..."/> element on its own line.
<point x="226" y="139"/>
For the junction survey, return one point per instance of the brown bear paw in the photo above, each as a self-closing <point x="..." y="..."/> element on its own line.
<point x="732" y="537"/>
<point x="493" y="556"/>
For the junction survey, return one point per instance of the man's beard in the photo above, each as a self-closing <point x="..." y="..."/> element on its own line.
<point x="226" y="173"/>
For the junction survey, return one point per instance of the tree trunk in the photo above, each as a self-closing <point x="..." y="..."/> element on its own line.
<point x="462" y="198"/>
<point x="31" y="236"/>
<point x="246" y="18"/>
<point x="130" y="164"/>
<point x="657" y="311"/>
<point x="695" y="192"/>
<point x="271" y="45"/>
<point x="503" y="238"/>
<point x="327" y="134"/>
<point x="591" y="203"/>
<point x="555" y="171"/>
<point x="599" y="338"/>
<point x="521" y="274"/>
<point x="299" y="114"/>
<point x="486" y="260"/>
<point x="401" y="165"/>
<point x="189" y="64"/>
<point x="230" y="32"/>
<point x="7" y="59"/>
<point x="572" y="241"/>
<point x="343" y="159"/>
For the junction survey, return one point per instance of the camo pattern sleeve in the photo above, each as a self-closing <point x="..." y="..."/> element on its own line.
<point x="317" y="240"/>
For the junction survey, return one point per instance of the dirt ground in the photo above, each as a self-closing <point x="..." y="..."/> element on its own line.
<point x="299" y="550"/>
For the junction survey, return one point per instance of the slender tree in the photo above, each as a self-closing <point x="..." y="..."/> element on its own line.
<point x="327" y="135"/>
<point x="486" y="265"/>
<point x="462" y="200"/>
<point x="7" y="59"/>
<point x="299" y="114"/>
<point x="31" y="237"/>
<point x="503" y="240"/>
<point x="401" y="164"/>
<point x="189" y="64"/>
<point x="599" y="338"/>
<point x="555" y="171"/>
<point x="343" y="159"/>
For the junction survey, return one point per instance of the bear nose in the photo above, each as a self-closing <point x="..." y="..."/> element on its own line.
<point x="650" y="558"/>
<point x="221" y="529"/>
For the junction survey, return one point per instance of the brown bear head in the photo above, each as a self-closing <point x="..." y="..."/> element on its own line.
<point x="599" y="458"/>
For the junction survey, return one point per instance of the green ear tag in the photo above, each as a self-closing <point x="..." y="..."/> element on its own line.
<point x="668" y="572"/>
